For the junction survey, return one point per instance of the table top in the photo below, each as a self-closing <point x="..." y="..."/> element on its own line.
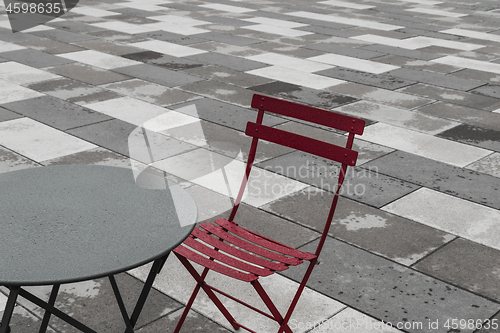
<point x="62" y="224"/>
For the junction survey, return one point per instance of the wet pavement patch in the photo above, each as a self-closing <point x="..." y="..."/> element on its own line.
<point x="381" y="80"/>
<point x="304" y="95"/>
<point x="163" y="60"/>
<point x="475" y="136"/>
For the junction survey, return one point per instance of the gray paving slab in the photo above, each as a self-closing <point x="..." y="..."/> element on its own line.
<point x="345" y="50"/>
<point x="158" y="75"/>
<point x="221" y="91"/>
<point x="492" y="78"/>
<point x="489" y="90"/>
<point x="87" y="74"/>
<point x="416" y="64"/>
<point x="35" y="58"/>
<point x="116" y="36"/>
<point x="111" y="134"/>
<point x="133" y="12"/>
<point x="304" y="95"/>
<point x="50" y="46"/>
<point x="107" y="47"/>
<point x="388" y="235"/>
<point x="162" y="60"/>
<point x="195" y="323"/>
<point x="10" y="161"/>
<point x="416" y="54"/>
<point x="63" y="36"/>
<point x="489" y="326"/>
<point x="171" y="37"/>
<point x="445" y="81"/>
<point x="465" y="264"/>
<point x="6" y="35"/>
<point x="362" y="185"/>
<point x="99" y="310"/>
<point x="217" y="73"/>
<point x="475" y="136"/>
<point x="272" y="226"/>
<point x="443" y="177"/>
<point x="73" y="91"/>
<point x="55" y="112"/>
<point x="462" y="114"/>
<point x="219" y="19"/>
<point x="224" y="140"/>
<point x="229" y="38"/>
<point x="390" y="292"/>
<point x="8" y="115"/>
<point x="468" y="99"/>
<point x="225" y="114"/>
<point x="151" y="92"/>
<point x="96" y="156"/>
<point x="227" y="61"/>
<point x="383" y="81"/>
<point x="73" y="26"/>
<point x="131" y="18"/>
<point x="326" y="28"/>
<point x="288" y="49"/>
<point x="377" y="95"/>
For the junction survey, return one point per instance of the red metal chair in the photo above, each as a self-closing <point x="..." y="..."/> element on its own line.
<point x="211" y="242"/>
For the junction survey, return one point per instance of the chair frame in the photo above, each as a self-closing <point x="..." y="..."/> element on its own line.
<point x="291" y="256"/>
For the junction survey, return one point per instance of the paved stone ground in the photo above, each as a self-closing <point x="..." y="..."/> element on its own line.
<point x="416" y="237"/>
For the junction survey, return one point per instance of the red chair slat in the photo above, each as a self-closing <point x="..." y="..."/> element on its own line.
<point x="198" y="246"/>
<point x="309" y="113"/>
<point x="205" y="237"/>
<point x="303" y="143"/>
<point x="193" y="256"/>
<point x="262" y="241"/>
<point x="219" y="232"/>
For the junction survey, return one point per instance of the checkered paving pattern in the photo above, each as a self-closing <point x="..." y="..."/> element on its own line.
<point x="416" y="238"/>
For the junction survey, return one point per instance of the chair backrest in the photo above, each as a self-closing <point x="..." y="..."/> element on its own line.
<point x="344" y="155"/>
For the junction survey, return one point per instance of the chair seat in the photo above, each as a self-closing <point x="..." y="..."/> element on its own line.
<point x="241" y="253"/>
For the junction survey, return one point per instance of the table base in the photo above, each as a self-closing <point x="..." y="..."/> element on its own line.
<point x="49" y="308"/>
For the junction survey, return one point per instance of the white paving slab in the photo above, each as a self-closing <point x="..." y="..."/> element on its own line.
<point x="128" y="109"/>
<point x="39" y="142"/>
<point x="6" y="47"/>
<point x="176" y="19"/>
<point x="354" y="63"/>
<point x="352" y="321"/>
<point x="437" y="12"/>
<point x="228" y="8"/>
<point x="176" y="28"/>
<point x="345" y="20"/>
<point x="490" y="165"/>
<point x="92" y="11"/>
<point x="479" y="65"/>
<point x="21" y="74"/>
<point x="289" y="62"/>
<point x="143" y="6"/>
<point x="346" y="4"/>
<point x="425" y="145"/>
<point x="472" y="34"/>
<point x="99" y="59"/>
<point x="175" y="281"/>
<point x="172" y="49"/>
<point x="224" y="175"/>
<point x="276" y="22"/>
<point x="415" y="43"/>
<point x="10" y="92"/>
<point x="463" y="218"/>
<point x="398" y="117"/>
<point x="295" y="77"/>
<point x="128" y="28"/>
<point x="273" y="29"/>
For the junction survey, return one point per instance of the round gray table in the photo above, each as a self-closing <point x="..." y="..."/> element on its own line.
<point x="64" y="224"/>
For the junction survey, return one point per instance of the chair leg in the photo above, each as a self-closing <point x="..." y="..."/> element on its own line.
<point x="284" y="325"/>
<point x="200" y="279"/>
<point x="270" y="305"/>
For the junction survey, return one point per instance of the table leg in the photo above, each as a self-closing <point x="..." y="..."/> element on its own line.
<point x="9" y="309"/>
<point x="52" y="301"/>
<point x="155" y="270"/>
